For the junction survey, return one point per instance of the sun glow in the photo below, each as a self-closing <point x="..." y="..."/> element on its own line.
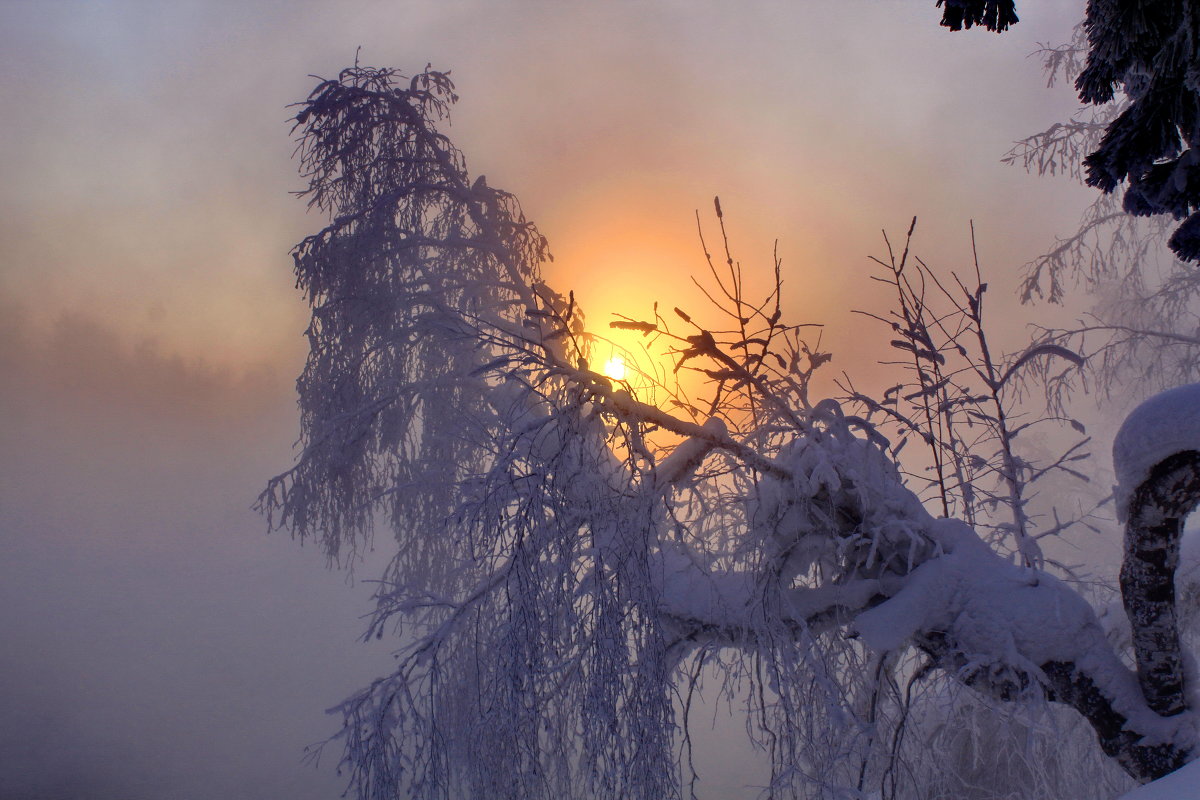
<point x="615" y="368"/>
<point x="640" y="367"/>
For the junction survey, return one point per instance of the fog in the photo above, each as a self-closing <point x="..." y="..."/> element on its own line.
<point x="158" y="643"/>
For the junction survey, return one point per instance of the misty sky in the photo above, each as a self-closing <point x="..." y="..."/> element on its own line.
<point x="157" y="642"/>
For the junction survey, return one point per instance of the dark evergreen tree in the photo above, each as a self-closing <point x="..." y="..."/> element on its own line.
<point x="995" y="15"/>
<point x="1148" y="51"/>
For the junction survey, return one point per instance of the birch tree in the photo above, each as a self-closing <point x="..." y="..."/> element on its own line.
<point x="570" y="561"/>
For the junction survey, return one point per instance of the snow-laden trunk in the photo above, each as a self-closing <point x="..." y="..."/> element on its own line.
<point x="1152" y="532"/>
<point x="1156" y="454"/>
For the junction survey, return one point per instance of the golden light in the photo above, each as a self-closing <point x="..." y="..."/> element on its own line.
<point x="615" y="368"/>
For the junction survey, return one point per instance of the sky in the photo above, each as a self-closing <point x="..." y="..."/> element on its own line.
<point x="158" y="642"/>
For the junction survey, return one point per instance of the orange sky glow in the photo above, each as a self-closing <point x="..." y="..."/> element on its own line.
<point x="156" y="201"/>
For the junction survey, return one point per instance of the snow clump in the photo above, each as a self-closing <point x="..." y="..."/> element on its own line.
<point x="1166" y="424"/>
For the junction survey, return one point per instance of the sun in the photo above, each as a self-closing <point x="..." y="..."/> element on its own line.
<point x="614" y="368"/>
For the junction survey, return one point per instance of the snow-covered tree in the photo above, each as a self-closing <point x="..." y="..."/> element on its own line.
<point x="572" y="561"/>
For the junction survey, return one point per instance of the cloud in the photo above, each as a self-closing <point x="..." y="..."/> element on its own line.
<point x="83" y="364"/>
